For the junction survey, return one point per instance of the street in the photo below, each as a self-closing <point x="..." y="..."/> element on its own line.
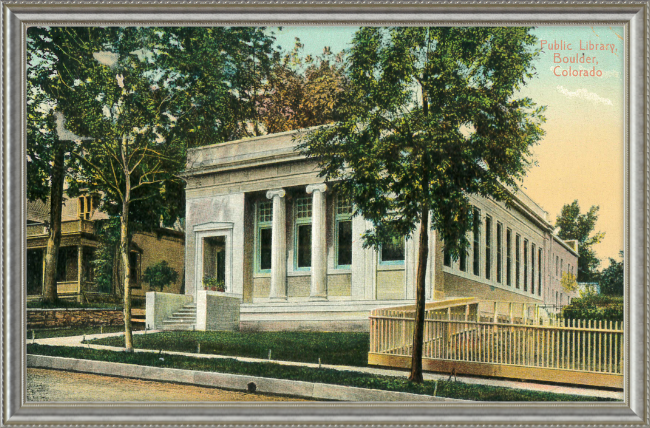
<point x="55" y="385"/>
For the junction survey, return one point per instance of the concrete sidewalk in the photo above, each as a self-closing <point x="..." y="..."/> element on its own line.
<point x="558" y="389"/>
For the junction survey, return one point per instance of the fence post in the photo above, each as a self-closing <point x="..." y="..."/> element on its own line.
<point x="510" y="309"/>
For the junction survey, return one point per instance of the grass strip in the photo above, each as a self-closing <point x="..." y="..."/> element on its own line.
<point x="74" y="331"/>
<point x="457" y="390"/>
<point x="340" y="348"/>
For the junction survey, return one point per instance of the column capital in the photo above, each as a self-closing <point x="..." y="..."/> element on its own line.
<point x="276" y="192"/>
<point x="320" y="187"/>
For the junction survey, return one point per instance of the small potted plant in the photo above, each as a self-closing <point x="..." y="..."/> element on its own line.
<point x="213" y="284"/>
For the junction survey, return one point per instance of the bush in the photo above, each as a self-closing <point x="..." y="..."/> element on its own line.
<point x="595" y="307"/>
<point x="160" y="275"/>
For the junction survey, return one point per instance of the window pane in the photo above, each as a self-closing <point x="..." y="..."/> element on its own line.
<point x="477" y="242"/>
<point x="303" y="208"/>
<point x="393" y="251"/>
<point x="304" y="245"/>
<point x="508" y="257"/>
<point x="265" y="249"/>
<point x="345" y="243"/>
<point x="447" y="258"/>
<point x="488" y="247"/>
<point x="517" y="259"/>
<point x="499" y="250"/>
<point x="525" y="265"/>
<point x="265" y="212"/>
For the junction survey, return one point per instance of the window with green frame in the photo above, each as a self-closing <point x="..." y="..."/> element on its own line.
<point x="392" y="253"/>
<point x="264" y="220"/>
<point x="302" y="221"/>
<point x="343" y="230"/>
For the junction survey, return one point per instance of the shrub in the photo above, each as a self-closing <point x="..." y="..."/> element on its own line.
<point x="595" y="307"/>
<point x="160" y="275"/>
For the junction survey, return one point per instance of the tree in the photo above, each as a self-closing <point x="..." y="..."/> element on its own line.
<point x="568" y="282"/>
<point x="46" y="154"/>
<point x="433" y="118"/>
<point x="574" y="225"/>
<point x="301" y="93"/>
<point x="160" y="275"/>
<point x="611" y="278"/>
<point x="140" y="96"/>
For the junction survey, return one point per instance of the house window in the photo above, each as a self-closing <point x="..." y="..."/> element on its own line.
<point x="525" y="264"/>
<point x="447" y="258"/>
<point x="392" y="252"/>
<point x="532" y="269"/>
<point x="561" y="267"/>
<point x="557" y="265"/>
<point x="539" y="272"/>
<point x="476" y="231"/>
<point x="264" y="236"/>
<point x="134" y="271"/>
<point x="488" y="247"/>
<point x="303" y="210"/>
<point x="85" y="207"/>
<point x="499" y="251"/>
<point x="463" y="260"/>
<point x="343" y="230"/>
<point x="509" y="257"/>
<point x="517" y="259"/>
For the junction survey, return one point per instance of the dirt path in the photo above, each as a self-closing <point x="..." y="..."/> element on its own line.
<point x="55" y="385"/>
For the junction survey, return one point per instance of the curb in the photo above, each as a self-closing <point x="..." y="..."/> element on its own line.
<point x="318" y="391"/>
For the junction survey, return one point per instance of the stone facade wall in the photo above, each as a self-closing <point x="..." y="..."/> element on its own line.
<point x="49" y="318"/>
<point x="156" y="247"/>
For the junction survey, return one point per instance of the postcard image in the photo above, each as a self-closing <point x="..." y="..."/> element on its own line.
<point x="325" y="213"/>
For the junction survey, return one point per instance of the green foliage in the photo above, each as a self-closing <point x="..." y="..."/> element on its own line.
<point x="568" y="282"/>
<point x="301" y="93"/>
<point x="214" y="284"/>
<point x="595" y="307"/>
<point x="104" y="262"/>
<point x="612" y="278"/>
<point x="574" y="225"/>
<point x="431" y="119"/>
<point x="308" y="374"/>
<point x="160" y="275"/>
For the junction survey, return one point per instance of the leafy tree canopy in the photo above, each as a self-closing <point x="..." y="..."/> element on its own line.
<point x="578" y="226"/>
<point x="303" y="92"/>
<point x="612" y="278"/>
<point x="433" y="117"/>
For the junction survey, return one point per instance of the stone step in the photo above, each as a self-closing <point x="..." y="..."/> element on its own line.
<point x="174" y="327"/>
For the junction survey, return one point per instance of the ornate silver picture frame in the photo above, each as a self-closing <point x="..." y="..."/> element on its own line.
<point x="633" y="16"/>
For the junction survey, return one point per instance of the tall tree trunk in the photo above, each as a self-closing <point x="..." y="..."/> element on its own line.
<point x="124" y="249"/>
<point x="54" y="238"/>
<point x="418" y="333"/>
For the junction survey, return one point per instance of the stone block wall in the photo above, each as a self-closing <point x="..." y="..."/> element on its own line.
<point x="51" y="318"/>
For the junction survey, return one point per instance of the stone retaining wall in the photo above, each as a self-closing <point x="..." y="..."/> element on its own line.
<point x="73" y="317"/>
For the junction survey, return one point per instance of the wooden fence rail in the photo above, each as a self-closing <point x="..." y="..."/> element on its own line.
<point x="578" y="346"/>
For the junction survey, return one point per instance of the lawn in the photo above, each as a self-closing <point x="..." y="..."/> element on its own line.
<point x="349" y="349"/>
<point x="73" y="331"/>
<point x="320" y="375"/>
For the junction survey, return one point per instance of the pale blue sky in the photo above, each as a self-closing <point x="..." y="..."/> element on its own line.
<point x="581" y="156"/>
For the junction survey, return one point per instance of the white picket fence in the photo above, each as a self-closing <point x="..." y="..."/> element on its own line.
<point x="512" y="342"/>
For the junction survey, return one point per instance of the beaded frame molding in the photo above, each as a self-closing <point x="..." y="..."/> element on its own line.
<point x="634" y="16"/>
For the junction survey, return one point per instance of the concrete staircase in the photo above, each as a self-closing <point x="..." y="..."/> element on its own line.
<point x="183" y="319"/>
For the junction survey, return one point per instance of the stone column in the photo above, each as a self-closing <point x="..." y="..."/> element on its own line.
<point x="278" y="245"/>
<point x="318" y="242"/>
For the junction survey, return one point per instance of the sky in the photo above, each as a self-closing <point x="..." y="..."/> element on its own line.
<point x="581" y="155"/>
